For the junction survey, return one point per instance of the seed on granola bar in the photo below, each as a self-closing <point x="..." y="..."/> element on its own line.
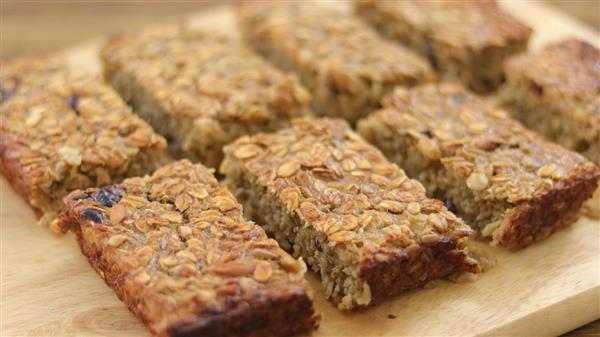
<point x="116" y="240"/>
<point x="201" y="89"/>
<point x="368" y="230"/>
<point x="477" y="181"/>
<point x="344" y="62"/>
<point x="226" y="277"/>
<point x="504" y="180"/>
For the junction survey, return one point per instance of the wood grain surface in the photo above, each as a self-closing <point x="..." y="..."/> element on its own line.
<point x="48" y="288"/>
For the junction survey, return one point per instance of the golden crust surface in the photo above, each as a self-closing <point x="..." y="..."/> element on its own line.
<point x="64" y="129"/>
<point x="472" y="24"/>
<point x="175" y="248"/>
<point x="344" y="62"/>
<point x="473" y="137"/>
<point x="334" y="182"/>
<point x="562" y="82"/>
<point x="492" y="154"/>
<point x="201" y="89"/>
<point x="465" y="41"/>
<point x="568" y="69"/>
<point x="344" y="48"/>
<point x="207" y="74"/>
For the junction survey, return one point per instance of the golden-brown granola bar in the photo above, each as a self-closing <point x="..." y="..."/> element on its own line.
<point x="63" y="129"/>
<point x="175" y="248"/>
<point x="333" y="199"/>
<point x="344" y="62"/>
<point x="466" y="40"/>
<point x="556" y="91"/>
<point x="201" y="89"/>
<point x="501" y="178"/>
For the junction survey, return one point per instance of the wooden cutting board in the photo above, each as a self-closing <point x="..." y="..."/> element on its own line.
<point x="48" y="288"/>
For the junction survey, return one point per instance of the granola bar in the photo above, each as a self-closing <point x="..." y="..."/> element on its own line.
<point x="465" y="40"/>
<point x="344" y="63"/>
<point x="63" y="129"/>
<point x="501" y="178"/>
<point x="334" y="200"/>
<point x="556" y="91"/>
<point x="201" y="89"/>
<point x="175" y="248"/>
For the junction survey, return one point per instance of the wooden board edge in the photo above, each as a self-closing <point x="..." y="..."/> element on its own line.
<point x="557" y="319"/>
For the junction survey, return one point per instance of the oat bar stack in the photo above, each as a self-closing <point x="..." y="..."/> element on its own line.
<point x="345" y="64"/>
<point x="334" y="200"/>
<point x="63" y="129"/>
<point x="465" y="40"/>
<point x="501" y="178"/>
<point x="200" y="89"/>
<point x="176" y="249"/>
<point x="556" y="91"/>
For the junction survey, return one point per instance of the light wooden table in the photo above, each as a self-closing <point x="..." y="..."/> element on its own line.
<point x="39" y="26"/>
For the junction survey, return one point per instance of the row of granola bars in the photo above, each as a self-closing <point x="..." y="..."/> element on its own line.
<point x="175" y="245"/>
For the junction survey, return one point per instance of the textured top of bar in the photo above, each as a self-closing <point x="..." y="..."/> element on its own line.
<point x="334" y="44"/>
<point x="206" y="75"/>
<point x="496" y="155"/>
<point x="26" y="75"/>
<point x="475" y="24"/>
<point x="336" y="182"/>
<point x="182" y="252"/>
<point x="569" y="69"/>
<point x="57" y="118"/>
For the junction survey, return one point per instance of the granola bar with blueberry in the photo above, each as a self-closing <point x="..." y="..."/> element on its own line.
<point x="176" y="249"/>
<point x="64" y="129"/>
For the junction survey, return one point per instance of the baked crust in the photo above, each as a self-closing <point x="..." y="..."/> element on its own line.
<point x="176" y="249"/>
<point x="200" y="89"/>
<point x="64" y="129"/>
<point x="334" y="200"/>
<point x="465" y="41"/>
<point x="503" y="179"/>
<point x="344" y="62"/>
<point x="556" y="91"/>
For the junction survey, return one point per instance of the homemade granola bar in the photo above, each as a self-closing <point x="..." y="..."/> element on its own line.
<point x="331" y="198"/>
<point x="465" y="40"/>
<point x="345" y="64"/>
<point x="175" y="248"/>
<point x="63" y="129"/>
<point x="556" y="91"/>
<point x="501" y="178"/>
<point x="201" y="90"/>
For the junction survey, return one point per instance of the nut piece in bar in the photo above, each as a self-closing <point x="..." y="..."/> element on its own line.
<point x="175" y="248"/>
<point x="64" y="129"/>
<point x="201" y="89"/>
<point x="465" y="40"/>
<point x="503" y="179"/>
<point x="333" y="199"/>
<point x="343" y="61"/>
<point x="556" y="92"/>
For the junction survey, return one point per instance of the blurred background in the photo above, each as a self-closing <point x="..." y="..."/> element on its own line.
<point x="30" y="26"/>
<point x="34" y="26"/>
